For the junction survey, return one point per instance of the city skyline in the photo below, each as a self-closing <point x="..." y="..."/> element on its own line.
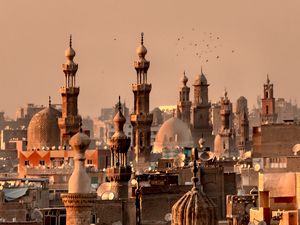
<point x="239" y="44"/>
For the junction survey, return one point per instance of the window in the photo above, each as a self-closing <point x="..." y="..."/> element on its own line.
<point x="26" y="163"/>
<point x="42" y="162"/>
<point x="89" y="161"/>
<point x="267" y="109"/>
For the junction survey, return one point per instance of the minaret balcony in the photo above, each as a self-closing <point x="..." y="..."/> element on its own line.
<point x="142" y="118"/>
<point x="119" y="173"/>
<point x="141" y="87"/>
<point x="69" y="90"/>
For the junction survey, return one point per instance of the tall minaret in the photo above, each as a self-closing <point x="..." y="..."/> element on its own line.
<point x="184" y="103"/>
<point x="268" y="114"/>
<point x="79" y="200"/>
<point x="70" y="120"/>
<point x="201" y="125"/>
<point x="120" y="172"/>
<point x="141" y="118"/>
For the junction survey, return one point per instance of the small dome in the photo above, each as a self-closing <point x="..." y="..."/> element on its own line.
<point x="43" y="130"/>
<point x="172" y="134"/>
<point x="184" y="79"/>
<point x="200" y="79"/>
<point x="80" y="141"/>
<point x="70" y="53"/>
<point x="141" y="51"/>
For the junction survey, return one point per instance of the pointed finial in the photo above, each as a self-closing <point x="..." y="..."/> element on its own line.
<point x="70" y="43"/>
<point x="80" y="125"/>
<point x="142" y="38"/>
<point x="119" y="104"/>
<point x="225" y="92"/>
<point x="195" y="170"/>
<point x="268" y="80"/>
<point x="49" y="100"/>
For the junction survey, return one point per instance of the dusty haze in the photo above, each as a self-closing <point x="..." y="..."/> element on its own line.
<point x="238" y="42"/>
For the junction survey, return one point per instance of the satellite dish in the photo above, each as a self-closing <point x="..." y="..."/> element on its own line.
<point x="111" y="196"/>
<point x="168" y="217"/>
<point x="256" y="167"/>
<point x="262" y="223"/>
<point x="206" y="156"/>
<point x="37" y="215"/>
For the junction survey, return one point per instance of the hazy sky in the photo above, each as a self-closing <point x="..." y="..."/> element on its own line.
<point x="238" y="42"/>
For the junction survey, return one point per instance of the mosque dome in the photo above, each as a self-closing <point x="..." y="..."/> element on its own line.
<point x="172" y="134"/>
<point x="194" y="208"/>
<point x="43" y="130"/>
<point x="70" y="52"/>
<point x="141" y="51"/>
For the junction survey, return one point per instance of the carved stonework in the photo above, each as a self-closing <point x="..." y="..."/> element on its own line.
<point x="79" y="207"/>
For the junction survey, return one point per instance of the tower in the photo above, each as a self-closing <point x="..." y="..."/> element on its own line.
<point x="141" y="118"/>
<point x="242" y="122"/>
<point x="224" y="144"/>
<point x="70" y="121"/>
<point x="201" y="125"/>
<point x="79" y="201"/>
<point x="184" y="103"/>
<point x="268" y="114"/>
<point x="119" y="173"/>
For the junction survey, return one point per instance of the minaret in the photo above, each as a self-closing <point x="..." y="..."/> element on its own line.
<point x="225" y="112"/>
<point x="79" y="200"/>
<point x="201" y="111"/>
<point x="119" y="173"/>
<point x="268" y="114"/>
<point x="242" y="122"/>
<point x="70" y="120"/>
<point x="141" y="118"/>
<point x="184" y="103"/>
<point x="225" y="139"/>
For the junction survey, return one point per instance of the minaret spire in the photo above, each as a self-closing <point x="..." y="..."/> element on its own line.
<point x="70" y="120"/>
<point x="141" y="118"/>
<point x="49" y="101"/>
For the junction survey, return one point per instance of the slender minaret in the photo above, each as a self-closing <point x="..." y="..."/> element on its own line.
<point x="184" y="103"/>
<point x="268" y="114"/>
<point x="120" y="172"/>
<point x="141" y="118"/>
<point x="225" y="112"/>
<point x="79" y="200"/>
<point x="70" y="120"/>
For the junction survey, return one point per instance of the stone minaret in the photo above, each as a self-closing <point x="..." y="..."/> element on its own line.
<point x="225" y="112"/>
<point x="268" y="114"/>
<point x="184" y="103"/>
<point x="225" y="139"/>
<point x="141" y="118"/>
<point x="79" y="200"/>
<point x="242" y="122"/>
<point x="70" y="120"/>
<point x="119" y="173"/>
<point x="201" y="125"/>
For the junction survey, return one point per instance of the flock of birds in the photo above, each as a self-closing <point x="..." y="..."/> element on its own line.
<point x="205" y="47"/>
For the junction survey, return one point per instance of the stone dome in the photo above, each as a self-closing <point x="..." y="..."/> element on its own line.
<point x="200" y="79"/>
<point x="194" y="208"/>
<point x="43" y="130"/>
<point x="172" y="134"/>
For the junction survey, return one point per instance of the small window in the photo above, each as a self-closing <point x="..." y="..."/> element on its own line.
<point x="26" y="163"/>
<point x="89" y="161"/>
<point x="42" y="162"/>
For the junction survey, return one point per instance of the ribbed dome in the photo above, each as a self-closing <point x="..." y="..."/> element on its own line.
<point x="173" y="133"/>
<point x="194" y="208"/>
<point x="43" y="130"/>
